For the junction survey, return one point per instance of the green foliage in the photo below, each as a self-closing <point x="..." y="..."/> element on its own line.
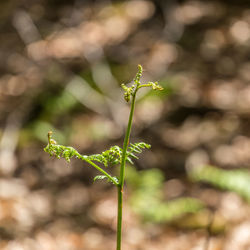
<point x="147" y="197"/>
<point x="174" y="209"/>
<point x="136" y="148"/>
<point x="109" y="157"/>
<point x="114" y="155"/>
<point x="102" y="177"/>
<point x="234" y="180"/>
<point x="131" y="91"/>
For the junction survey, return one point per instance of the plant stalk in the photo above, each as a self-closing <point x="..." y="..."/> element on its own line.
<point x="119" y="219"/>
<point x="102" y="171"/>
<point x="122" y="173"/>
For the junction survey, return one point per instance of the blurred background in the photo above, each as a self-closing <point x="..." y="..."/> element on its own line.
<point x="61" y="66"/>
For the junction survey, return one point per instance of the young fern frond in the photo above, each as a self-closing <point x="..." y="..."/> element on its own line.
<point x="109" y="157"/>
<point x="61" y="151"/>
<point x="69" y="152"/>
<point x="136" y="148"/>
<point x="131" y="91"/>
<point x="115" y="155"/>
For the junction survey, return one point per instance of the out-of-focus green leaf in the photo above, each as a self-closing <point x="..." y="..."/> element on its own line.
<point x="234" y="180"/>
<point x="147" y="197"/>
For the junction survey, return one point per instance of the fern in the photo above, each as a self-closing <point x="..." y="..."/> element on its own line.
<point x="114" y="155"/>
<point x="136" y="148"/>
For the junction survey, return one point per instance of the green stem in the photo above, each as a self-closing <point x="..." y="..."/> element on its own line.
<point x="126" y="141"/>
<point x="119" y="219"/>
<point x="144" y="85"/>
<point x="122" y="172"/>
<point x="102" y="171"/>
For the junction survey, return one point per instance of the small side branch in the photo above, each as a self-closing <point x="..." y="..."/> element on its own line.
<point x="112" y="179"/>
<point x="69" y="152"/>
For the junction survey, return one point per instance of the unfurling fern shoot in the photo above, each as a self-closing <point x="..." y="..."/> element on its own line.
<point x="113" y="156"/>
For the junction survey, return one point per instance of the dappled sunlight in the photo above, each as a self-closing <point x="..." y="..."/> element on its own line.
<point x="62" y="64"/>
